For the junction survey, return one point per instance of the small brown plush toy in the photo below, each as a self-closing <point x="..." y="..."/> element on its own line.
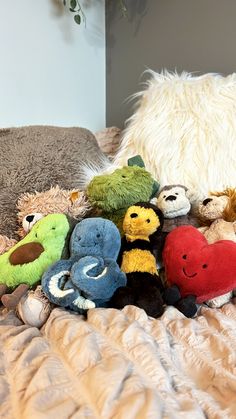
<point x="32" y="207"/>
<point x="217" y="216"/>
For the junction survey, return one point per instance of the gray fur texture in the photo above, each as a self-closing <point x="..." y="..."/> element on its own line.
<point x="34" y="158"/>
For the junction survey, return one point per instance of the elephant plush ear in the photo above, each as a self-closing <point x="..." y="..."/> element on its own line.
<point x="136" y="161"/>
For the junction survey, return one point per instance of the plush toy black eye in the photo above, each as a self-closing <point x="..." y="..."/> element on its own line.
<point x="53" y="228"/>
<point x="36" y="235"/>
<point x="148" y="221"/>
<point x="184" y="256"/>
<point x="98" y="235"/>
<point x="176" y="193"/>
<point x="79" y="238"/>
<point x="164" y="196"/>
<point x="124" y="176"/>
<point x="204" y="266"/>
<point x="133" y="215"/>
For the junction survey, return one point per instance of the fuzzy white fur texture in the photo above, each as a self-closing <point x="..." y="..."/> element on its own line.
<point x="185" y="130"/>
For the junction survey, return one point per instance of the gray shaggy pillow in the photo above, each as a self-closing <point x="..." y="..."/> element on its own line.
<point x="35" y="158"/>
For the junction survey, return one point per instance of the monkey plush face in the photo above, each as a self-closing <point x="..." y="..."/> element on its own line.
<point x="173" y="201"/>
<point x="142" y="220"/>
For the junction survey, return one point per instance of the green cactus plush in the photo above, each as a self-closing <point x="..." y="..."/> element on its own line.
<point x="25" y="263"/>
<point x="112" y="194"/>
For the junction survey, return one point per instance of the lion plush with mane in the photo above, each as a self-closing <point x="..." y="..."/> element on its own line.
<point x="219" y="205"/>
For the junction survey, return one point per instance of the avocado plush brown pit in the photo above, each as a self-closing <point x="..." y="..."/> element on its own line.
<point x="26" y="253"/>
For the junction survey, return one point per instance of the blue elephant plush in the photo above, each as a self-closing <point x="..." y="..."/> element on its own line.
<point x="91" y="276"/>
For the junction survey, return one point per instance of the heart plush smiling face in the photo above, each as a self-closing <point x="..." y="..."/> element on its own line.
<point x="198" y="268"/>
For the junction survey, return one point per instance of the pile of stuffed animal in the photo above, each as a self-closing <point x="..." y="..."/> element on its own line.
<point x="121" y="241"/>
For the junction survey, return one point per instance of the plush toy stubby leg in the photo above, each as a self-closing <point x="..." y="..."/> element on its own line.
<point x="122" y="297"/>
<point x="171" y="295"/>
<point x="186" y="305"/>
<point x="144" y="291"/>
<point x="10" y="301"/>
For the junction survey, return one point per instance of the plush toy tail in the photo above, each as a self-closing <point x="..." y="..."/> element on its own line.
<point x="89" y="170"/>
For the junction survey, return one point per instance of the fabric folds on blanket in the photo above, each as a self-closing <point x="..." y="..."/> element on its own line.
<point x="120" y="364"/>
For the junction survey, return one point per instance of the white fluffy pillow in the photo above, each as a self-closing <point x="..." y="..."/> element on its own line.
<point x="185" y="130"/>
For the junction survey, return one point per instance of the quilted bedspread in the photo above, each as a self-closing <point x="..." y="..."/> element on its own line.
<point x="120" y="364"/>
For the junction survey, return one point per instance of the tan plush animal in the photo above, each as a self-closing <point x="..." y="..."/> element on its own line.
<point x="218" y="205"/>
<point x="217" y="214"/>
<point x="219" y="230"/>
<point x="32" y="207"/>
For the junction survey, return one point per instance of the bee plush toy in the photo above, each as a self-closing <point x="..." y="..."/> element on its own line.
<point x="142" y="226"/>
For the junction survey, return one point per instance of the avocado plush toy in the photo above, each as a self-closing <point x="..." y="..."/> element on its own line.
<point x="112" y="194"/>
<point x="91" y="275"/>
<point x="24" y="264"/>
<point x="142" y="225"/>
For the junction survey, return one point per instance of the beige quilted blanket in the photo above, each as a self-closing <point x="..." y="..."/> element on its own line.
<point x="120" y="364"/>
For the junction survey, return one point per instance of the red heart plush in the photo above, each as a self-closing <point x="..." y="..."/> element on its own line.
<point x="198" y="268"/>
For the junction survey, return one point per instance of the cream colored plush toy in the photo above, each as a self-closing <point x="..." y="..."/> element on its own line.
<point x="174" y="202"/>
<point x="217" y="214"/>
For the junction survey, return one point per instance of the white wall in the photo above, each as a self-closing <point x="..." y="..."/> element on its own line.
<point x="52" y="71"/>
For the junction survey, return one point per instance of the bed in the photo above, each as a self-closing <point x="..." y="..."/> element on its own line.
<point x="120" y="364"/>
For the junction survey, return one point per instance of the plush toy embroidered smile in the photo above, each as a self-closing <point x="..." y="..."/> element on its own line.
<point x="197" y="268"/>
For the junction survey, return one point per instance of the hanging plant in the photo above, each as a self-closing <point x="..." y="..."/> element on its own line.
<point x="75" y="7"/>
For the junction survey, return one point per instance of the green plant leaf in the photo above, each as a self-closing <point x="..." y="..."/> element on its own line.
<point x="73" y="4"/>
<point x="77" y="19"/>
